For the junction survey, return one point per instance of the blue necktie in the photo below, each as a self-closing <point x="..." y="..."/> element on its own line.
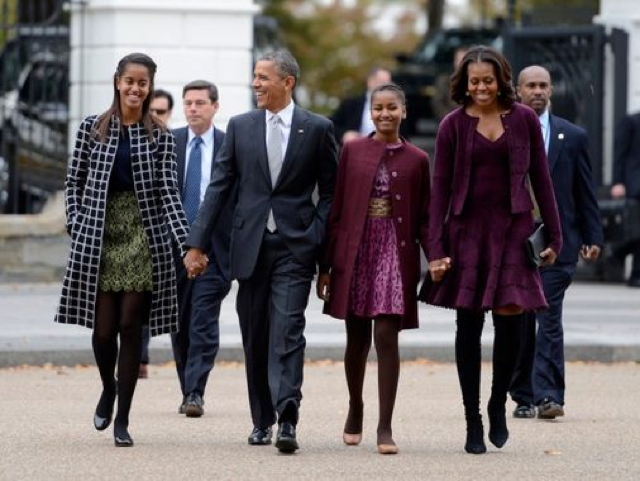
<point x="191" y="190"/>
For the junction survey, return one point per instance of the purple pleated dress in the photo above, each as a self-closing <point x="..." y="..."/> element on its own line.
<point x="376" y="285"/>
<point x="486" y="242"/>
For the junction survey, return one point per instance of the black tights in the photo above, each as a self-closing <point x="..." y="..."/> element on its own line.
<point x="385" y="335"/>
<point x="121" y="313"/>
<point x="468" y="361"/>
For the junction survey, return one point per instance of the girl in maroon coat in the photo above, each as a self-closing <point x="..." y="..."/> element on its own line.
<point x="371" y="263"/>
<point x="480" y="217"/>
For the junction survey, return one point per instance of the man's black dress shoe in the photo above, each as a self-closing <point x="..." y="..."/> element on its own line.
<point x="194" y="406"/>
<point x="633" y="282"/>
<point x="549" y="409"/>
<point x="286" y="440"/>
<point x="524" y="411"/>
<point x="260" y="436"/>
<point x="183" y="406"/>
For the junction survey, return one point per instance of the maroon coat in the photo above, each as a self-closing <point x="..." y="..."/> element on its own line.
<point x="452" y="172"/>
<point x="409" y="189"/>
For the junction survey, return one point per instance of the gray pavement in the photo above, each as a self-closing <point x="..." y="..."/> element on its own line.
<point x="602" y="323"/>
<point x="47" y="433"/>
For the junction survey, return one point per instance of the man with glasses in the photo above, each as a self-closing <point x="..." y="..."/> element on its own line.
<point x="196" y="344"/>
<point x="161" y="106"/>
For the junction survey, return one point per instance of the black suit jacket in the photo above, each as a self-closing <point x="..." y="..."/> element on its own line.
<point x="572" y="178"/>
<point x="348" y="115"/>
<point x="218" y="242"/>
<point x="626" y="166"/>
<point x="310" y="161"/>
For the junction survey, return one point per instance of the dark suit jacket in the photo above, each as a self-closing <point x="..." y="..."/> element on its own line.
<point x="218" y="244"/>
<point x="570" y="169"/>
<point x="310" y="161"/>
<point x="348" y="115"/>
<point x="626" y="166"/>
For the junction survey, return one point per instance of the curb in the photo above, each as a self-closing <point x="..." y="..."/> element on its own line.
<point x="440" y="353"/>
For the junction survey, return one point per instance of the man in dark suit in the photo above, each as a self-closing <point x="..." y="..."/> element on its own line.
<point x="539" y="376"/>
<point x="196" y="344"/>
<point x="161" y="106"/>
<point x="352" y="118"/>
<point x="277" y="155"/>
<point x="626" y="176"/>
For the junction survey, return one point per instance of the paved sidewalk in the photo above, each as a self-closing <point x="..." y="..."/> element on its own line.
<point x="47" y="433"/>
<point x="602" y="323"/>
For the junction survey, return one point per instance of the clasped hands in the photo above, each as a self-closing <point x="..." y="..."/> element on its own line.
<point x="195" y="262"/>
<point x="438" y="268"/>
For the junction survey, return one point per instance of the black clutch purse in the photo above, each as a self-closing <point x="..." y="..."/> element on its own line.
<point x="535" y="244"/>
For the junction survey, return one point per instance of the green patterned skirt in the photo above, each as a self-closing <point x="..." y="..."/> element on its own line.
<point x="125" y="262"/>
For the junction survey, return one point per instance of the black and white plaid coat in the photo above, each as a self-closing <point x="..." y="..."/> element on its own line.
<point x="156" y="187"/>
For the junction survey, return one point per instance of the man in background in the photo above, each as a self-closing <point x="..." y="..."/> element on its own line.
<point x="196" y="344"/>
<point x="626" y="177"/>
<point x="352" y="118"/>
<point x="161" y="106"/>
<point x="539" y="376"/>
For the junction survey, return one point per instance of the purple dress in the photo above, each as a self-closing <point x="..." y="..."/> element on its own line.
<point x="486" y="242"/>
<point x="376" y="284"/>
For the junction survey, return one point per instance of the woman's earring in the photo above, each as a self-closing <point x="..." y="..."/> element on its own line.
<point x="467" y="93"/>
<point x="499" y="93"/>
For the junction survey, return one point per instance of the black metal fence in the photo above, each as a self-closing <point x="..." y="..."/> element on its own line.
<point x="34" y="102"/>
<point x="575" y="57"/>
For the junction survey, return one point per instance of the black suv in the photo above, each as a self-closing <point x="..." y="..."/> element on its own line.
<point x="34" y="115"/>
<point x="422" y="72"/>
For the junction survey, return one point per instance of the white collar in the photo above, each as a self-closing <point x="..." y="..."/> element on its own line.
<point x="544" y="119"/>
<point x="207" y="136"/>
<point x="286" y="114"/>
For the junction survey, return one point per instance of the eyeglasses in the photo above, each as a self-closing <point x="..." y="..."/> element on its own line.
<point x="158" y="111"/>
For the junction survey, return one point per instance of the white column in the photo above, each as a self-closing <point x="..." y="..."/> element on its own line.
<point x="625" y="14"/>
<point x="188" y="40"/>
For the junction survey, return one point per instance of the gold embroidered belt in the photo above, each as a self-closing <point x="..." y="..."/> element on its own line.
<point x="379" y="208"/>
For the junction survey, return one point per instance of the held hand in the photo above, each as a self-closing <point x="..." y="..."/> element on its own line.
<point x="195" y="262"/>
<point x="549" y="256"/>
<point x="438" y="268"/>
<point x="590" y="253"/>
<point x="323" y="286"/>
<point x="350" y="135"/>
<point x="618" y="191"/>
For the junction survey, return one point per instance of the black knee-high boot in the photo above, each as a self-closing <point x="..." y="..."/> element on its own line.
<point x="468" y="362"/>
<point x="505" y="355"/>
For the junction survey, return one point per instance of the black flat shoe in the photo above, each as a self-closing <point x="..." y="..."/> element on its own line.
<point x="121" y="438"/>
<point x="125" y="442"/>
<point x="105" y="405"/>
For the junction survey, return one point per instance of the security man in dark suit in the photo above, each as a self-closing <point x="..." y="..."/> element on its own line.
<point x="626" y="176"/>
<point x="196" y="344"/>
<point x="352" y="118"/>
<point x="277" y="155"/>
<point x="539" y="376"/>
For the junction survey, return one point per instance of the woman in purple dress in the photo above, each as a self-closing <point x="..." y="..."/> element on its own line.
<point x="371" y="262"/>
<point x="488" y="153"/>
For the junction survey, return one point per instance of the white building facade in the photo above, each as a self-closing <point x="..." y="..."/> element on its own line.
<point x="188" y="40"/>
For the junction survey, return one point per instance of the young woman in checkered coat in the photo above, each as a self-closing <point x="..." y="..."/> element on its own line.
<point x="123" y="214"/>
